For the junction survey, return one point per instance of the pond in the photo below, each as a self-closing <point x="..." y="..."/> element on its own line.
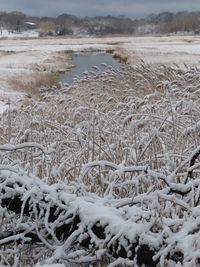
<point x="85" y="62"/>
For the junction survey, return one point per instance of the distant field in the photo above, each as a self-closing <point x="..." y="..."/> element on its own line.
<point x="21" y="58"/>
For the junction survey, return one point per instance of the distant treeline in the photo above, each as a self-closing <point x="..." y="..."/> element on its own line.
<point x="66" y="24"/>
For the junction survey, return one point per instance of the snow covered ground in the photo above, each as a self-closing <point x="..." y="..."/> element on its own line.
<point x="171" y="49"/>
<point x="22" y="57"/>
<point x="9" y="34"/>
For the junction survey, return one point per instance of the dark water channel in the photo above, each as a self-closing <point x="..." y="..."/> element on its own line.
<point x="84" y="62"/>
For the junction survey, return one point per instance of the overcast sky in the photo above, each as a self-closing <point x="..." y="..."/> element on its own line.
<point x="131" y="8"/>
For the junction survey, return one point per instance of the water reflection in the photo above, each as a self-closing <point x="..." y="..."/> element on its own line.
<point x="87" y="62"/>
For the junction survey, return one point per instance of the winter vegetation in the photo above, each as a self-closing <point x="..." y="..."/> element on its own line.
<point x="15" y="24"/>
<point x="104" y="172"/>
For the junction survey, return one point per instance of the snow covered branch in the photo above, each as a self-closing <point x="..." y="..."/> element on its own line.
<point x="9" y="147"/>
<point x="137" y="231"/>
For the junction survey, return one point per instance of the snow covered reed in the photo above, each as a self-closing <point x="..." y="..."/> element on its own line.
<point x="119" y="151"/>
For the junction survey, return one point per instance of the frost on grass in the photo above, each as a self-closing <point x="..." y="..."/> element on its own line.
<point x="104" y="172"/>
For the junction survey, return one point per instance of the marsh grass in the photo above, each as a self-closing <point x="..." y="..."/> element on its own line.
<point x="146" y="116"/>
<point x="136" y="115"/>
<point x="34" y="82"/>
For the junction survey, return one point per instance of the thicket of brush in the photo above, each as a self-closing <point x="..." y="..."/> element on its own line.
<point x="125" y="139"/>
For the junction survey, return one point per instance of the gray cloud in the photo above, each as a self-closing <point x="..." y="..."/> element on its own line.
<point x="132" y="8"/>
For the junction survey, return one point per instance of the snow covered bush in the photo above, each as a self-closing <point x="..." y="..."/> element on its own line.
<point x="105" y="171"/>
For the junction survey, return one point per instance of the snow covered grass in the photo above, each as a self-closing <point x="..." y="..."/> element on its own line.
<point x="119" y="149"/>
<point x="140" y="115"/>
<point x="27" y="72"/>
<point x="33" y="83"/>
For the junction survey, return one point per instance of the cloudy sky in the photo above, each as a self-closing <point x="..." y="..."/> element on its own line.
<point x="131" y="8"/>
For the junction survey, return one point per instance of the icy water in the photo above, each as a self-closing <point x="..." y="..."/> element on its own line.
<point x="85" y="62"/>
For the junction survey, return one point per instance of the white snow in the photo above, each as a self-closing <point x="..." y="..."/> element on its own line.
<point x="29" y="33"/>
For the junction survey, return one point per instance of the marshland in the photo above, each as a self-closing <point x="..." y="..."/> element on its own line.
<point x="105" y="170"/>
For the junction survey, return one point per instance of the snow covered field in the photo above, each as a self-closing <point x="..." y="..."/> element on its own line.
<point x="25" y="34"/>
<point x="20" y="58"/>
<point x="165" y="50"/>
